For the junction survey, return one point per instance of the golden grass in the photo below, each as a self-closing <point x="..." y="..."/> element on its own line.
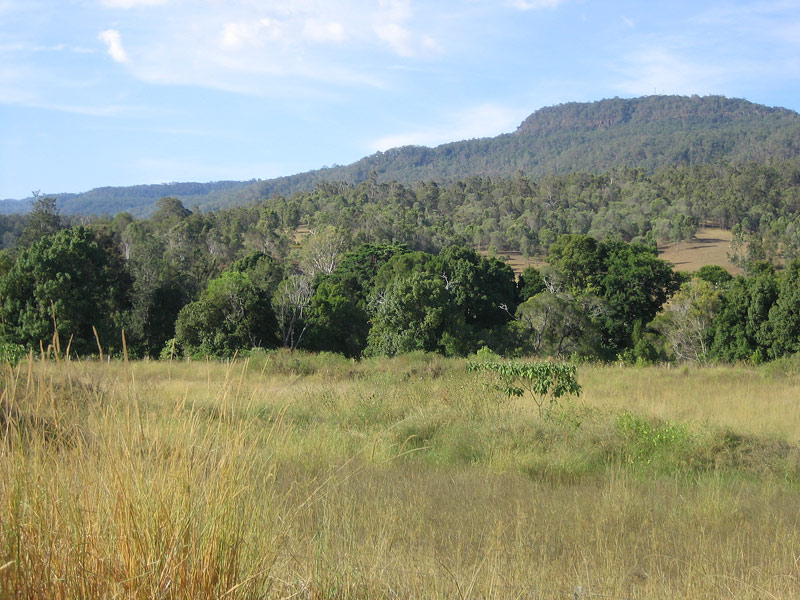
<point x="290" y="476"/>
<point x="516" y="260"/>
<point x="748" y="400"/>
<point x="710" y="246"/>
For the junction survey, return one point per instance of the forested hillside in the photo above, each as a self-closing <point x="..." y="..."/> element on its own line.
<point x="387" y="268"/>
<point x="759" y="202"/>
<point x="648" y="133"/>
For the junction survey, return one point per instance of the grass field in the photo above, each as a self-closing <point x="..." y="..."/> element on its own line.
<point x="710" y="246"/>
<point x="298" y="476"/>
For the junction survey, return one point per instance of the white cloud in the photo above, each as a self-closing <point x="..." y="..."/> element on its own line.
<point x="318" y="31"/>
<point x="393" y="25"/>
<point x="662" y="70"/>
<point x="250" y="33"/>
<point x="397" y="36"/>
<point x="485" y="120"/>
<point x="629" y="22"/>
<point x="126" y="4"/>
<point x="535" y="4"/>
<point x="269" y="47"/>
<point x="113" y="40"/>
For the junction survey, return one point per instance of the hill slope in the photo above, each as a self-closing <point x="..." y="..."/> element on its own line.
<point x="648" y="132"/>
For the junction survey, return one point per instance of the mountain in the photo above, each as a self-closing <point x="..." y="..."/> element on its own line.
<point x="648" y="132"/>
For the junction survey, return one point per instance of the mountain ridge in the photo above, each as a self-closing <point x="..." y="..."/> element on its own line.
<point x="645" y="132"/>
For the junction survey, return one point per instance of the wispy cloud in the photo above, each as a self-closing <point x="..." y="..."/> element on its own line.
<point x="127" y="4"/>
<point x="484" y="120"/>
<point x="535" y="4"/>
<point x="250" y="33"/>
<point x="733" y="48"/>
<point x="320" y="31"/>
<point x="665" y="70"/>
<point x="392" y="25"/>
<point x="267" y="47"/>
<point x="113" y="40"/>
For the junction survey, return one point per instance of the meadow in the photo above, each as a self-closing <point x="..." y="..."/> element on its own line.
<point x="290" y="475"/>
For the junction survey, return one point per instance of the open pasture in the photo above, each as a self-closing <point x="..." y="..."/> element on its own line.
<point x="709" y="246"/>
<point x="298" y="476"/>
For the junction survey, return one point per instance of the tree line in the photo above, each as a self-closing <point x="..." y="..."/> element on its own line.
<point x="184" y="283"/>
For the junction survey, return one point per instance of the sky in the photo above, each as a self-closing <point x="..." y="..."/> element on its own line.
<point x="124" y="92"/>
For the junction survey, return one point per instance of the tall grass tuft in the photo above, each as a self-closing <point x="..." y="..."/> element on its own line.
<point x="300" y="476"/>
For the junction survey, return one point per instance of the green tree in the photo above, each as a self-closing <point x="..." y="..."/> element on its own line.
<point x="687" y="319"/>
<point x="530" y="283"/>
<point x="545" y="382"/>
<point x="338" y="322"/>
<point x="552" y="324"/>
<point x="414" y="313"/>
<point x="230" y="315"/>
<point x="579" y="259"/>
<point x="71" y="281"/>
<point x="784" y="315"/>
<point x="264" y="271"/>
<point x="634" y="286"/>
<point x="715" y="275"/>
<point x="43" y="220"/>
<point x="483" y="289"/>
<point x="158" y="292"/>
<point x="741" y="327"/>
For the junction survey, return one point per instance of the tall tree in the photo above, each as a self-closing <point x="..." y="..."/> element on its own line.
<point x="230" y="315"/>
<point x="44" y="220"/>
<point x="69" y="282"/>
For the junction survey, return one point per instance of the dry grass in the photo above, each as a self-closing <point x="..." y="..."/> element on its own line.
<point x="291" y="476"/>
<point x="753" y="401"/>
<point x="709" y="247"/>
<point x="517" y="261"/>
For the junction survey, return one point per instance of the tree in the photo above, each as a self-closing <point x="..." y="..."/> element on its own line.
<point x="634" y="287"/>
<point x="230" y="315"/>
<point x="784" y="315"/>
<point x="580" y="261"/>
<point x="530" y="283"/>
<point x="70" y="282"/>
<point x="414" y="313"/>
<point x="44" y="220"/>
<point x="630" y="279"/>
<point x="264" y="271"/>
<point x="158" y="292"/>
<point x="322" y="250"/>
<point x="741" y="327"/>
<point x="687" y="320"/>
<point x="483" y="289"/>
<point x="557" y="324"/>
<point x="338" y="322"/>
<point x="291" y="302"/>
<point x="715" y="275"/>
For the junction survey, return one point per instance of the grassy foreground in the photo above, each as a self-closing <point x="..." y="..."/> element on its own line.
<point x="296" y="476"/>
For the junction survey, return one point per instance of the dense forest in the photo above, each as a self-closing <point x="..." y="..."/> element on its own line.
<point x="759" y="202"/>
<point x="386" y="268"/>
<point x="650" y="133"/>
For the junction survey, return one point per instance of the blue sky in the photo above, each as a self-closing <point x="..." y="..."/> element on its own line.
<point x="122" y="92"/>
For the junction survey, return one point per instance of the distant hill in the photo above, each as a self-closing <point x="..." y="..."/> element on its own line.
<point x="648" y="132"/>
